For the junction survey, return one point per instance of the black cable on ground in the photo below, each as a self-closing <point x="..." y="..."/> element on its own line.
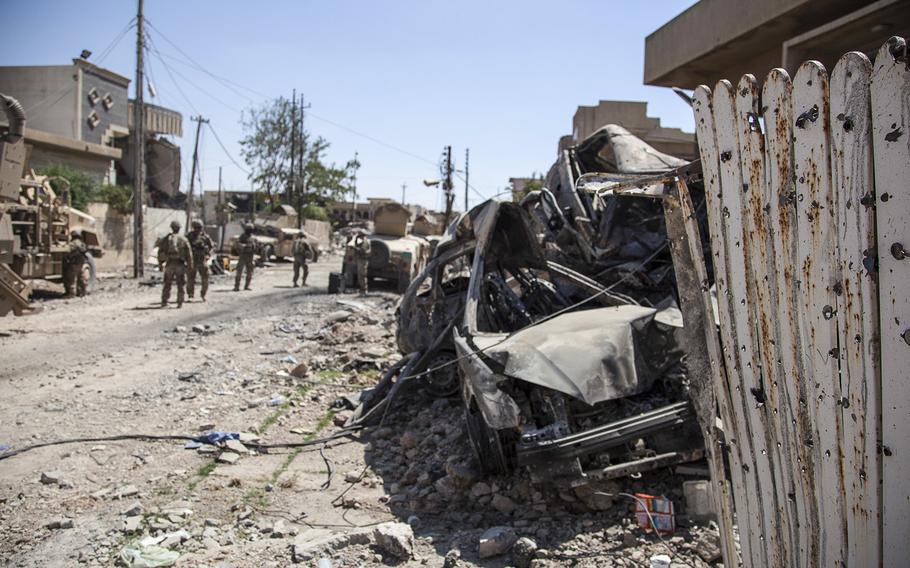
<point x="182" y="437"/>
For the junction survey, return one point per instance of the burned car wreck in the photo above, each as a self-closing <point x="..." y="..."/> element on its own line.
<point x="571" y="368"/>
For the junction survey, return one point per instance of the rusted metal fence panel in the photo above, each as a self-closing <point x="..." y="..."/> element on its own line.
<point x="808" y="194"/>
<point x="857" y="310"/>
<point x="890" y="93"/>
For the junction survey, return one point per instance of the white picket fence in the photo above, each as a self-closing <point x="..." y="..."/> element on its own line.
<point x="808" y="189"/>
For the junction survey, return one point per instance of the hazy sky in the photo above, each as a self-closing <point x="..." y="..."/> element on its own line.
<point x="502" y="78"/>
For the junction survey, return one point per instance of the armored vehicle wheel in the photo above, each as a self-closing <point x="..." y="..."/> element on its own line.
<point x="90" y="273"/>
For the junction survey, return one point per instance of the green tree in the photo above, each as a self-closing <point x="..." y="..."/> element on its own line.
<point x="267" y="145"/>
<point x="533" y="183"/>
<point x="83" y="188"/>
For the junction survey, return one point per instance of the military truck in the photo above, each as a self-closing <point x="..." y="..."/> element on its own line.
<point x="35" y="223"/>
<point x="396" y="256"/>
<point x="274" y="234"/>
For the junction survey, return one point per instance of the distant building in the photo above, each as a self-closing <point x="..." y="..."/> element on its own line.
<point x="633" y="116"/>
<point x="80" y="116"/>
<point x="342" y="213"/>
<point x="724" y="39"/>
<point x="519" y="186"/>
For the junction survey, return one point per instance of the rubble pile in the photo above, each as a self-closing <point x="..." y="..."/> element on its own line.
<point x="432" y="480"/>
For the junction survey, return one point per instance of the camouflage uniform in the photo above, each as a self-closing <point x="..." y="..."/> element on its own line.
<point x="244" y="248"/>
<point x="201" y="245"/>
<point x="174" y="253"/>
<point x="301" y="248"/>
<point x="362" y="250"/>
<point x="73" y="275"/>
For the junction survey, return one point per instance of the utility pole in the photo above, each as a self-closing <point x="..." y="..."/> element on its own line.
<point x="354" y="192"/>
<point x="404" y="188"/>
<point x="290" y="192"/>
<point x="301" y="163"/>
<point x="189" y="194"/>
<point x="139" y="143"/>
<point x="221" y="214"/>
<point x="447" y="186"/>
<point x="467" y="152"/>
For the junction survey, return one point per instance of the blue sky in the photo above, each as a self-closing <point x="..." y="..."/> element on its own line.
<point x="502" y="78"/>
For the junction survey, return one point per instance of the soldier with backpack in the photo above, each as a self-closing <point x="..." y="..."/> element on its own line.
<point x="176" y="258"/>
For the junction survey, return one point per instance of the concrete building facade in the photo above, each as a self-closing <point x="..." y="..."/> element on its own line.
<point x="80" y="115"/>
<point x="73" y="113"/>
<point x="724" y="39"/>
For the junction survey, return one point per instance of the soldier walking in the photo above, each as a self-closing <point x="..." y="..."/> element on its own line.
<point x="175" y="255"/>
<point x="362" y="249"/>
<point x="301" y="249"/>
<point x="73" y="275"/>
<point x="244" y="248"/>
<point x="201" y="245"/>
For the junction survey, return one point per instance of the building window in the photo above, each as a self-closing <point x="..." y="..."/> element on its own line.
<point x="93" y="96"/>
<point x="93" y="120"/>
<point x="108" y="101"/>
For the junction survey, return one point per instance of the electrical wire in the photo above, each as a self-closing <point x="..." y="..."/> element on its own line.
<point x="226" y="153"/>
<point x="101" y="57"/>
<point x="199" y="67"/>
<point x="171" y="75"/>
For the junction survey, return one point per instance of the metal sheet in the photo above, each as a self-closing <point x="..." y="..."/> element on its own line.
<point x="761" y="292"/>
<point x="753" y="445"/>
<point x="816" y="237"/>
<point x="795" y="425"/>
<point x="592" y="355"/>
<point x="891" y="144"/>
<point x="724" y="366"/>
<point x="857" y="313"/>
<point x="701" y="345"/>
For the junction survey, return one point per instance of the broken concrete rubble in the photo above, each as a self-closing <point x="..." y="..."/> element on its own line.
<point x="495" y="541"/>
<point x="395" y="538"/>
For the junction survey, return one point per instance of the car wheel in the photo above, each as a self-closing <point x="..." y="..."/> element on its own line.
<point x="485" y="441"/>
<point x="442" y="379"/>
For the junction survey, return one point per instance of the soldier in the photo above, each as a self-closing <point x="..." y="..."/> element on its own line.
<point x="362" y="249"/>
<point x="244" y="248"/>
<point x="301" y="248"/>
<point x="175" y="256"/>
<point x="201" y="245"/>
<point x="73" y="275"/>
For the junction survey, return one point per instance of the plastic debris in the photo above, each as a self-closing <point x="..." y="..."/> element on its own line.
<point x="660" y="509"/>
<point x="216" y="437"/>
<point x="148" y="556"/>
<point x="277" y="401"/>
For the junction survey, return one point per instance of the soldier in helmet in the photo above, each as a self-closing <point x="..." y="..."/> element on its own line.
<point x="73" y="276"/>
<point x="362" y="249"/>
<point x="301" y="249"/>
<point x="175" y="256"/>
<point x="244" y="248"/>
<point x="201" y="245"/>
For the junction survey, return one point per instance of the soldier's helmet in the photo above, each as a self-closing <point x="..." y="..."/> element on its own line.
<point x="77" y="234"/>
<point x="197" y="224"/>
<point x="175" y="226"/>
<point x="248" y="227"/>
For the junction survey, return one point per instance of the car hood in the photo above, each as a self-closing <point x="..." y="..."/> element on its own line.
<point x="593" y="355"/>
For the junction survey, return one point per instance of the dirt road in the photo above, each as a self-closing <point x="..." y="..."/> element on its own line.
<point x="116" y="364"/>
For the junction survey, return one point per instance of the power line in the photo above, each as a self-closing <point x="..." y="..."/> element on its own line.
<point x="101" y="57"/>
<point x="226" y="153"/>
<point x="193" y="63"/>
<point x="233" y="86"/>
<point x="173" y="79"/>
<point x="373" y="139"/>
